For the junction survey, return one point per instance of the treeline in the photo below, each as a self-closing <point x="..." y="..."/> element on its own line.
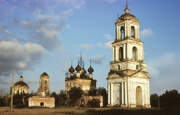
<point x="71" y="98"/>
<point x="169" y="99"/>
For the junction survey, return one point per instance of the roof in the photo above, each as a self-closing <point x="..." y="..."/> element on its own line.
<point x="21" y="83"/>
<point x="126" y="16"/>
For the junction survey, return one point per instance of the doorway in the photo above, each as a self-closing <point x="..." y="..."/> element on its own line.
<point x="42" y="104"/>
<point x="138" y="96"/>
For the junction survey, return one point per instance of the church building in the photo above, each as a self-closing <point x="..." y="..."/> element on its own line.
<point x="78" y="77"/>
<point x="128" y="79"/>
<point x="42" y="99"/>
<point x="21" y="87"/>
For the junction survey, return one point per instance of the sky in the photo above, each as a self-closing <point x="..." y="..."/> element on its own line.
<point x="39" y="36"/>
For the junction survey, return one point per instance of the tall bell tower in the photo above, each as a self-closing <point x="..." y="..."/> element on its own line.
<point x="128" y="79"/>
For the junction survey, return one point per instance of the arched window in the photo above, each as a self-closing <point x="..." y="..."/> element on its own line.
<point x="137" y="66"/>
<point x="134" y="54"/>
<point x="133" y="32"/>
<point x="114" y="53"/>
<point x="119" y="67"/>
<point x="122" y="32"/>
<point x="121" y="53"/>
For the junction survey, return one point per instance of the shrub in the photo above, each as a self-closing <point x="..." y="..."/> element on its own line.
<point x="93" y="103"/>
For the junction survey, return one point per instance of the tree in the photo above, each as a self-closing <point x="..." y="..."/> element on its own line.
<point x="170" y="99"/>
<point x="92" y="92"/>
<point x="101" y="91"/>
<point x="74" y="95"/>
<point x="62" y="98"/>
<point x="154" y="100"/>
<point x="53" y="94"/>
<point x="93" y="103"/>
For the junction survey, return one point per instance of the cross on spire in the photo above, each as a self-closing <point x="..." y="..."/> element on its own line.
<point x="127" y="9"/>
<point x="126" y="3"/>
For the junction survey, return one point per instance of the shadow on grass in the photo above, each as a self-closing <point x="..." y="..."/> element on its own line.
<point x="134" y="112"/>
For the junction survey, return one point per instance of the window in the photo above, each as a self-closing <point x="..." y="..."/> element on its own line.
<point x="119" y="67"/>
<point x="137" y="67"/>
<point x="114" y="53"/>
<point x="133" y="32"/>
<point x="134" y="54"/>
<point x="121" y="53"/>
<point x="122" y="32"/>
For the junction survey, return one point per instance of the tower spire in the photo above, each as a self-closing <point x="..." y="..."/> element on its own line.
<point x="127" y="9"/>
<point x="126" y="3"/>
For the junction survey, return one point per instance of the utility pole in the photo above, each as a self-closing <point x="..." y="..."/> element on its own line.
<point x="12" y="90"/>
<point x="159" y="106"/>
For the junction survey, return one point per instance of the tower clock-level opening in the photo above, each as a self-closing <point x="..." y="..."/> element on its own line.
<point x="122" y="32"/>
<point x="138" y="96"/>
<point x="121" y="53"/>
<point x="132" y="32"/>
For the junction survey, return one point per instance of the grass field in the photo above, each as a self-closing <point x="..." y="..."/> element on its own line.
<point x="88" y="111"/>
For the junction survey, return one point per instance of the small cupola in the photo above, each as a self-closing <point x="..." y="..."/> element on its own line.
<point x="21" y="78"/>
<point x="90" y="70"/>
<point x="78" y="68"/>
<point x="71" y="69"/>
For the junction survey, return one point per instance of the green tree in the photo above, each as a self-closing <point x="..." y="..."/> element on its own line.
<point x="154" y="100"/>
<point x="101" y="91"/>
<point x="170" y="99"/>
<point x="92" y="92"/>
<point x="93" y="103"/>
<point x="74" y="95"/>
<point x="53" y="94"/>
<point x="62" y="98"/>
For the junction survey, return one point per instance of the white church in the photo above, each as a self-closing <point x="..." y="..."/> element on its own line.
<point x="128" y="79"/>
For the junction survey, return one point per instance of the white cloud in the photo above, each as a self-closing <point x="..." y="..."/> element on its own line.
<point x="164" y="72"/>
<point x="146" y="32"/>
<point x="108" y="36"/>
<point x="19" y="56"/>
<point x="108" y="44"/>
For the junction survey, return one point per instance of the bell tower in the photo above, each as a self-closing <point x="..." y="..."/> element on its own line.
<point x="128" y="79"/>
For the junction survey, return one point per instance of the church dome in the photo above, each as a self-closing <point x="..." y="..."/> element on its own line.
<point x="21" y="83"/>
<point x="71" y="69"/>
<point x="90" y="70"/>
<point x="78" y="68"/>
<point x="44" y="75"/>
<point x="127" y="16"/>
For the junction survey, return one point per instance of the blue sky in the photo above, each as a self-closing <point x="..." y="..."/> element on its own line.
<point x="47" y="35"/>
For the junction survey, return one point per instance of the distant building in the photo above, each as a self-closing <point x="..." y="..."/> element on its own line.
<point x="42" y="99"/>
<point x="78" y="77"/>
<point x="21" y="87"/>
<point x="128" y="79"/>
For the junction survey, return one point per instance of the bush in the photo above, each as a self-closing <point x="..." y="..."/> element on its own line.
<point x="93" y="103"/>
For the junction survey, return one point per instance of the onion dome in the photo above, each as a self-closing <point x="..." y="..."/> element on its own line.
<point x="71" y="69"/>
<point x="90" y="70"/>
<point x="78" y="68"/>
